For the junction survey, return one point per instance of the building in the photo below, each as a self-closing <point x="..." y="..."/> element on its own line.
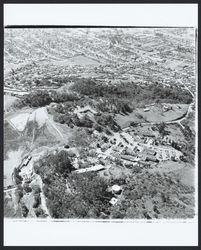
<point x="129" y="158"/>
<point x="149" y="105"/>
<point x="113" y="201"/>
<point x="116" y="189"/>
<point x="129" y="151"/>
<point x="148" y="134"/>
<point x="90" y="169"/>
<point x="144" y="164"/>
<point x="151" y="158"/>
<point x="149" y="151"/>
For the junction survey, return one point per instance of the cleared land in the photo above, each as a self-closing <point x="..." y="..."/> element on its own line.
<point x="14" y="159"/>
<point x="8" y="101"/>
<point x="77" y="60"/>
<point x="155" y="114"/>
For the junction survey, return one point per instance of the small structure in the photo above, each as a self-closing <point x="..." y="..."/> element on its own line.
<point x="146" y="109"/>
<point x="149" y="151"/>
<point x="105" y="146"/>
<point x="128" y="158"/>
<point x="26" y="161"/>
<point x="144" y="164"/>
<point x="129" y="151"/>
<point x="151" y="158"/>
<point x="113" y="201"/>
<point x="86" y="109"/>
<point x="148" y="134"/>
<point x="116" y="189"/>
<point x="149" y="105"/>
<point x="166" y="108"/>
<point x="90" y="169"/>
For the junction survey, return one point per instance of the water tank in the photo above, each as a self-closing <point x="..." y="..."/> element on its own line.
<point x="116" y="189"/>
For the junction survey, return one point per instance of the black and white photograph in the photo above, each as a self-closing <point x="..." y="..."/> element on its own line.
<point x="100" y="123"/>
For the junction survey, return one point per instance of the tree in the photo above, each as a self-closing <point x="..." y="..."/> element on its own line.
<point x="19" y="193"/>
<point x="25" y="210"/>
<point x="37" y="200"/>
<point x="18" y="179"/>
<point x="161" y="129"/>
<point x="27" y="188"/>
<point x="39" y="212"/>
<point x="134" y="124"/>
<point x="36" y="189"/>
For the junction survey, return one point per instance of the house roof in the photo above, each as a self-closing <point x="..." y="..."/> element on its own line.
<point x="93" y="168"/>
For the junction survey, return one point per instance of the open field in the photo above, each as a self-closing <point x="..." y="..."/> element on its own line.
<point x="14" y="159"/>
<point x="183" y="172"/>
<point x="186" y="175"/>
<point x="10" y="133"/>
<point x="19" y="121"/>
<point x="8" y="101"/>
<point x="77" y="60"/>
<point x="155" y="114"/>
<point x="168" y="166"/>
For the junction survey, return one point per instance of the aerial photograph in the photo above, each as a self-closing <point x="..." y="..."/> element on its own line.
<point x="100" y="123"/>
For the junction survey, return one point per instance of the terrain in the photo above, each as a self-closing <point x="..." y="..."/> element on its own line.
<point x="88" y="112"/>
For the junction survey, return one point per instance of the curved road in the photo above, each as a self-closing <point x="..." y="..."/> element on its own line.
<point x="179" y="120"/>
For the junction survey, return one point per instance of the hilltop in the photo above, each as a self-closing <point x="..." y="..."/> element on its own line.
<point x="99" y="123"/>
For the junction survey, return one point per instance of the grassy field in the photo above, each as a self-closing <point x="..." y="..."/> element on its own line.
<point x="183" y="172"/>
<point x="155" y="114"/>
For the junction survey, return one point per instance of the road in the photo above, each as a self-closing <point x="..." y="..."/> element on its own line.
<point x="187" y="88"/>
<point x="10" y="189"/>
<point x="178" y="121"/>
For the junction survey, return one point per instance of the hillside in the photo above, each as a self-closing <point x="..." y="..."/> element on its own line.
<point x="99" y="123"/>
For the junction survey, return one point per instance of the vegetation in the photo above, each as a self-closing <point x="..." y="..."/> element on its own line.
<point x="41" y="98"/>
<point x="149" y="196"/>
<point x="25" y="210"/>
<point x="17" y="178"/>
<point x="88" y="190"/>
<point x="88" y="199"/>
<point x="27" y="188"/>
<point x="39" y="212"/>
<point x="161" y="129"/>
<point x="60" y="85"/>
<point x="59" y="163"/>
<point x="131" y="91"/>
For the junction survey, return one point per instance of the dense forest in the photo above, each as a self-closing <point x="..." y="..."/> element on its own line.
<point x="121" y="96"/>
<point x="89" y="196"/>
<point x="131" y="90"/>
